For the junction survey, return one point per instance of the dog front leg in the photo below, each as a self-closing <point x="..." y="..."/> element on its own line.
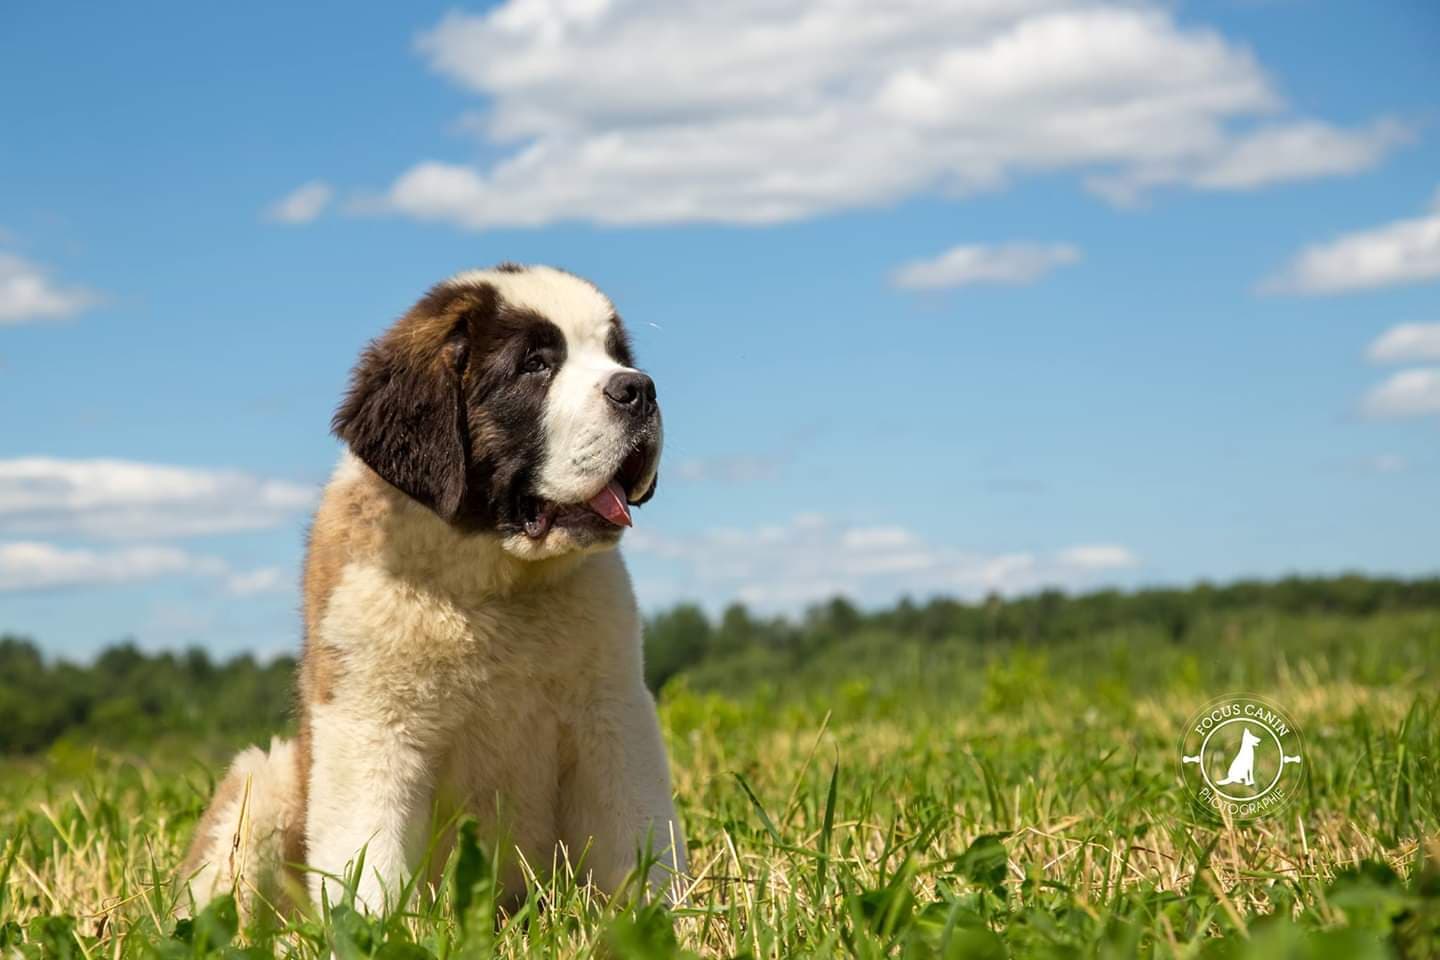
<point x="370" y="788"/>
<point x="617" y="803"/>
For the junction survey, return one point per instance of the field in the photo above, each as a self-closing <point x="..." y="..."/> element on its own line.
<point x="895" y="796"/>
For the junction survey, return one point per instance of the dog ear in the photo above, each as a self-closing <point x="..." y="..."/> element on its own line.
<point x="405" y="416"/>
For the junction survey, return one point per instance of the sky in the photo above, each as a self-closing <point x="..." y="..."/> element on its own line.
<point x="940" y="297"/>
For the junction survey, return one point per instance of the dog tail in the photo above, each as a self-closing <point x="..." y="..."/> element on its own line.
<point x="247" y="834"/>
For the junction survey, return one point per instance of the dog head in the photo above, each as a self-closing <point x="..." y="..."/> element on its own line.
<point x="507" y="401"/>
<point x="1248" y="739"/>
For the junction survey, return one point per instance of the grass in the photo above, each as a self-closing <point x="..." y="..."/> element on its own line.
<point x="890" y="798"/>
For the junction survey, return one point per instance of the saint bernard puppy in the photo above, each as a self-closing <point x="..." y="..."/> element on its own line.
<point x="472" y="644"/>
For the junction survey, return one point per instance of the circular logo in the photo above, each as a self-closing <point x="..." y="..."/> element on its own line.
<point x="1241" y="757"/>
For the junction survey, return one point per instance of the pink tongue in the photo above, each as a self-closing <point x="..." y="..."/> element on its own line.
<point x="610" y="504"/>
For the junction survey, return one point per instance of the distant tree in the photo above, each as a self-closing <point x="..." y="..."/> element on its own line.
<point x="838" y="617"/>
<point x="675" y="640"/>
<point x="738" y="630"/>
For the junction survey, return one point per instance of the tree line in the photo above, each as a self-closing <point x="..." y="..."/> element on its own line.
<point x="128" y="696"/>
<point x="683" y="637"/>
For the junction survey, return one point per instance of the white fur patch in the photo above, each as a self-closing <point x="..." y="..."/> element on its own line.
<point x="572" y="304"/>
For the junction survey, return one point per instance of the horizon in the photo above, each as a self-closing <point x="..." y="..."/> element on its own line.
<point x="793" y="619"/>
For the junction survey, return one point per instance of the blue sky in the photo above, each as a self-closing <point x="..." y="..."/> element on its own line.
<point x="939" y="297"/>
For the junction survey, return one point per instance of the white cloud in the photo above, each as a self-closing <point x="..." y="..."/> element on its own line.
<point x="1302" y="150"/>
<point x="1405" y="251"/>
<point x="26" y="565"/>
<point x="1407" y="342"/>
<point x="877" y="538"/>
<point x="302" y="205"/>
<point x="1014" y="263"/>
<point x="261" y="580"/>
<point x="117" y="499"/>
<point x="737" y="469"/>
<point x="783" y="567"/>
<point x="1408" y="393"/>
<point x="34" y="565"/>
<point x="27" y="293"/>
<point x="1389" y="463"/>
<point x="1099" y="556"/>
<point x="760" y="111"/>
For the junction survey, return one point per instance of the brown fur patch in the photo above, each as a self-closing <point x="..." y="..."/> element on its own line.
<point x="297" y="847"/>
<point x="405" y="412"/>
<point x="350" y="523"/>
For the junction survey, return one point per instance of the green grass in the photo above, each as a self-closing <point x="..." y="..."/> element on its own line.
<point x="888" y="798"/>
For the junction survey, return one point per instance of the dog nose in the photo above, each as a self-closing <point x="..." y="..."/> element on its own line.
<point x="632" y="392"/>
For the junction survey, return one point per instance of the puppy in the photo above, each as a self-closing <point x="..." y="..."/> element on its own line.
<point x="472" y="643"/>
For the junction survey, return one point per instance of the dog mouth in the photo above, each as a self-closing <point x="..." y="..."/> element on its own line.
<point x="608" y="509"/>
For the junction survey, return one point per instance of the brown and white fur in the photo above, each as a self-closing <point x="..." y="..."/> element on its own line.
<point x="472" y="643"/>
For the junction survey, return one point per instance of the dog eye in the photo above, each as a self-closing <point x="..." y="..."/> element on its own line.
<point x="535" y="363"/>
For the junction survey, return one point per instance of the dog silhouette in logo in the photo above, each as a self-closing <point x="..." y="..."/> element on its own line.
<point x="1242" y="768"/>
